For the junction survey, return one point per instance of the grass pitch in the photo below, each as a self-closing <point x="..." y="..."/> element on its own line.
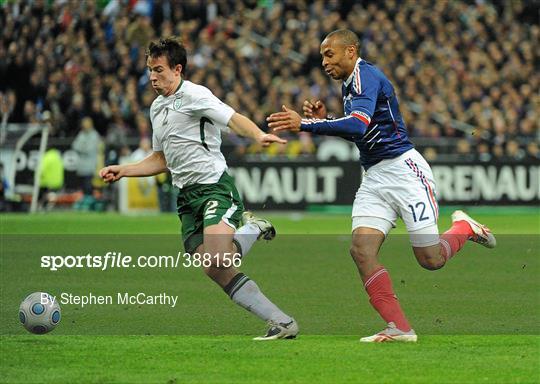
<point x="477" y="318"/>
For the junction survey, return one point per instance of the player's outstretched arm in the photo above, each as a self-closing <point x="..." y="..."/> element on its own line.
<point x="247" y="128"/>
<point x="151" y="165"/>
<point x="349" y="127"/>
<point x="286" y="120"/>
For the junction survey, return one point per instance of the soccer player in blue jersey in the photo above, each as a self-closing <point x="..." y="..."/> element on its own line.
<point x="397" y="181"/>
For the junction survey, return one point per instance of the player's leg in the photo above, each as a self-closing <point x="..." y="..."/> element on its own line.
<point x="253" y="228"/>
<point x="219" y="210"/>
<point x="417" y="206"/>
<point x="365" y="246"/>
<point x="427" y="247"/>
<point x="378" y="285"/>
<point x="420" y="213"/>
<point x="218" y="239"/>
<point x="465" y="228"/>
<point x="372" y="220"/>
<point x="434" y="254"/>
<point x="218" y="250"/>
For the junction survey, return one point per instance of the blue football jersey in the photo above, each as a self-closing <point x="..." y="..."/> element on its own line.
<point x="372" y="117"/>
<point x="369" y="94"/>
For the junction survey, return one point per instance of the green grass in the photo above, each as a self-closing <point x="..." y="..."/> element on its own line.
<point x="310" y="359"/>
<point x="477" y="318"/>
<point x="505" y="220"/>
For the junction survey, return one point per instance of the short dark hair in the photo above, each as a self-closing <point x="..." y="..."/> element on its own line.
<point x="347" y="37"/>
<point x="170" y="47"/>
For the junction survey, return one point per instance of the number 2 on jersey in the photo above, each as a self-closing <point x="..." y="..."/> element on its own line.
<point x="211" y="208"/>
<point x="203" y="121"/>
<point x="417" y="206"/>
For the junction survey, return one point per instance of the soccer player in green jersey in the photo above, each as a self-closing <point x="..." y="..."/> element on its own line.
<point x="187" y="120"/>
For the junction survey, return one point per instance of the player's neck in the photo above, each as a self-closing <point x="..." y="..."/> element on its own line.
<point x="350" y="70"/>
<point x="175" y="87"/>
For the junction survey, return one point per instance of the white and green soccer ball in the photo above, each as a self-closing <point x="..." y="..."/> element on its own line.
<point x="39" y="313"/>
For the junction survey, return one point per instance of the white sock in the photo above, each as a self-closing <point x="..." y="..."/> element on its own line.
<point x="245" y="236"/>
<point x="246" y="293"/>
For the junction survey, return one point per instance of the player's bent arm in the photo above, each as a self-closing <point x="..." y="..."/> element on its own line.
<point x="243" y="126"/>
<point x="151" y="165"/>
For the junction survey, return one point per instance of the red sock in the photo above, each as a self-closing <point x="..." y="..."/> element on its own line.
<point x="454" y="239"/>
<point x="381" y="296"/>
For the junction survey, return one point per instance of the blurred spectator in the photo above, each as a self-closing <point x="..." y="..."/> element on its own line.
<point x="140" y="32"/>
<point x="145" y="149"/>
<point x="498" y="153"/>
<point x="302" y="146"/>
<point x="52" y="176"/>
<point x="99" y="117"/>
<point x="3" y="188"/>
<point x="463" y="149"/>
<point x="75" y="113"/>
<point x="116" y="139"/>
<point x="457" y="65"/>
<point x="8" y="100"/>
<point x="430" y="154"/>
<point x="533" y="152"/>
<point x="30" y="112"/>
<point x="143" y="125"/>
<point x="513" y="151"/>
<point x="86" y="144"/>
<point x="483" y="153"/>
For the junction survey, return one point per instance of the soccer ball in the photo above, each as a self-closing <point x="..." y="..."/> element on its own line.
<point x="39" y="313"/>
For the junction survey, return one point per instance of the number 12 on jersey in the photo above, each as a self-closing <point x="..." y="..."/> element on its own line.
<point x="420" y="207"/>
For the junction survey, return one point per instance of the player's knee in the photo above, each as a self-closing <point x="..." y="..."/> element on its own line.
<point x="214" y="263"/>
<point x="432" y="263"/>
<point x="430" y="257"/>
<point x="213" y="272"/>
<point x="218" y="261"/>
<point x="360" y="254"/>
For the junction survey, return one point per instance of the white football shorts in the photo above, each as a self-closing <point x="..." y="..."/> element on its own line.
<point x="400" y="187"/>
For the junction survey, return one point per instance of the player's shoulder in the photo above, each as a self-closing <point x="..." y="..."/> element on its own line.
<point x="372" y="76"/>
<point x="196" y="91"/>
<point x="194" y="94"/>
<point x="370" y="70"/>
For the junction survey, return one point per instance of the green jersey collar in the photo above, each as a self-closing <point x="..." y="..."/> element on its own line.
<point x="179" y="85"/>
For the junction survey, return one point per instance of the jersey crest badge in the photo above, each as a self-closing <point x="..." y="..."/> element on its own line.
<point x="177" y="103"/>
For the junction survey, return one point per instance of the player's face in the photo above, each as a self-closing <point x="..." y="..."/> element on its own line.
<point x="337" y="58"/>
<point x="164" y="79"/>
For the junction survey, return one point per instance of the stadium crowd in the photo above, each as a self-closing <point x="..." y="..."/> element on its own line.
<point x="466" y="72"/>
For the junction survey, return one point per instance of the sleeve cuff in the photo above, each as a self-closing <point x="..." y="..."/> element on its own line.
<point x="306" y="127"/>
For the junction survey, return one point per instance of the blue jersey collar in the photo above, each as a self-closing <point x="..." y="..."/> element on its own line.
<point x="349" y="79"/>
